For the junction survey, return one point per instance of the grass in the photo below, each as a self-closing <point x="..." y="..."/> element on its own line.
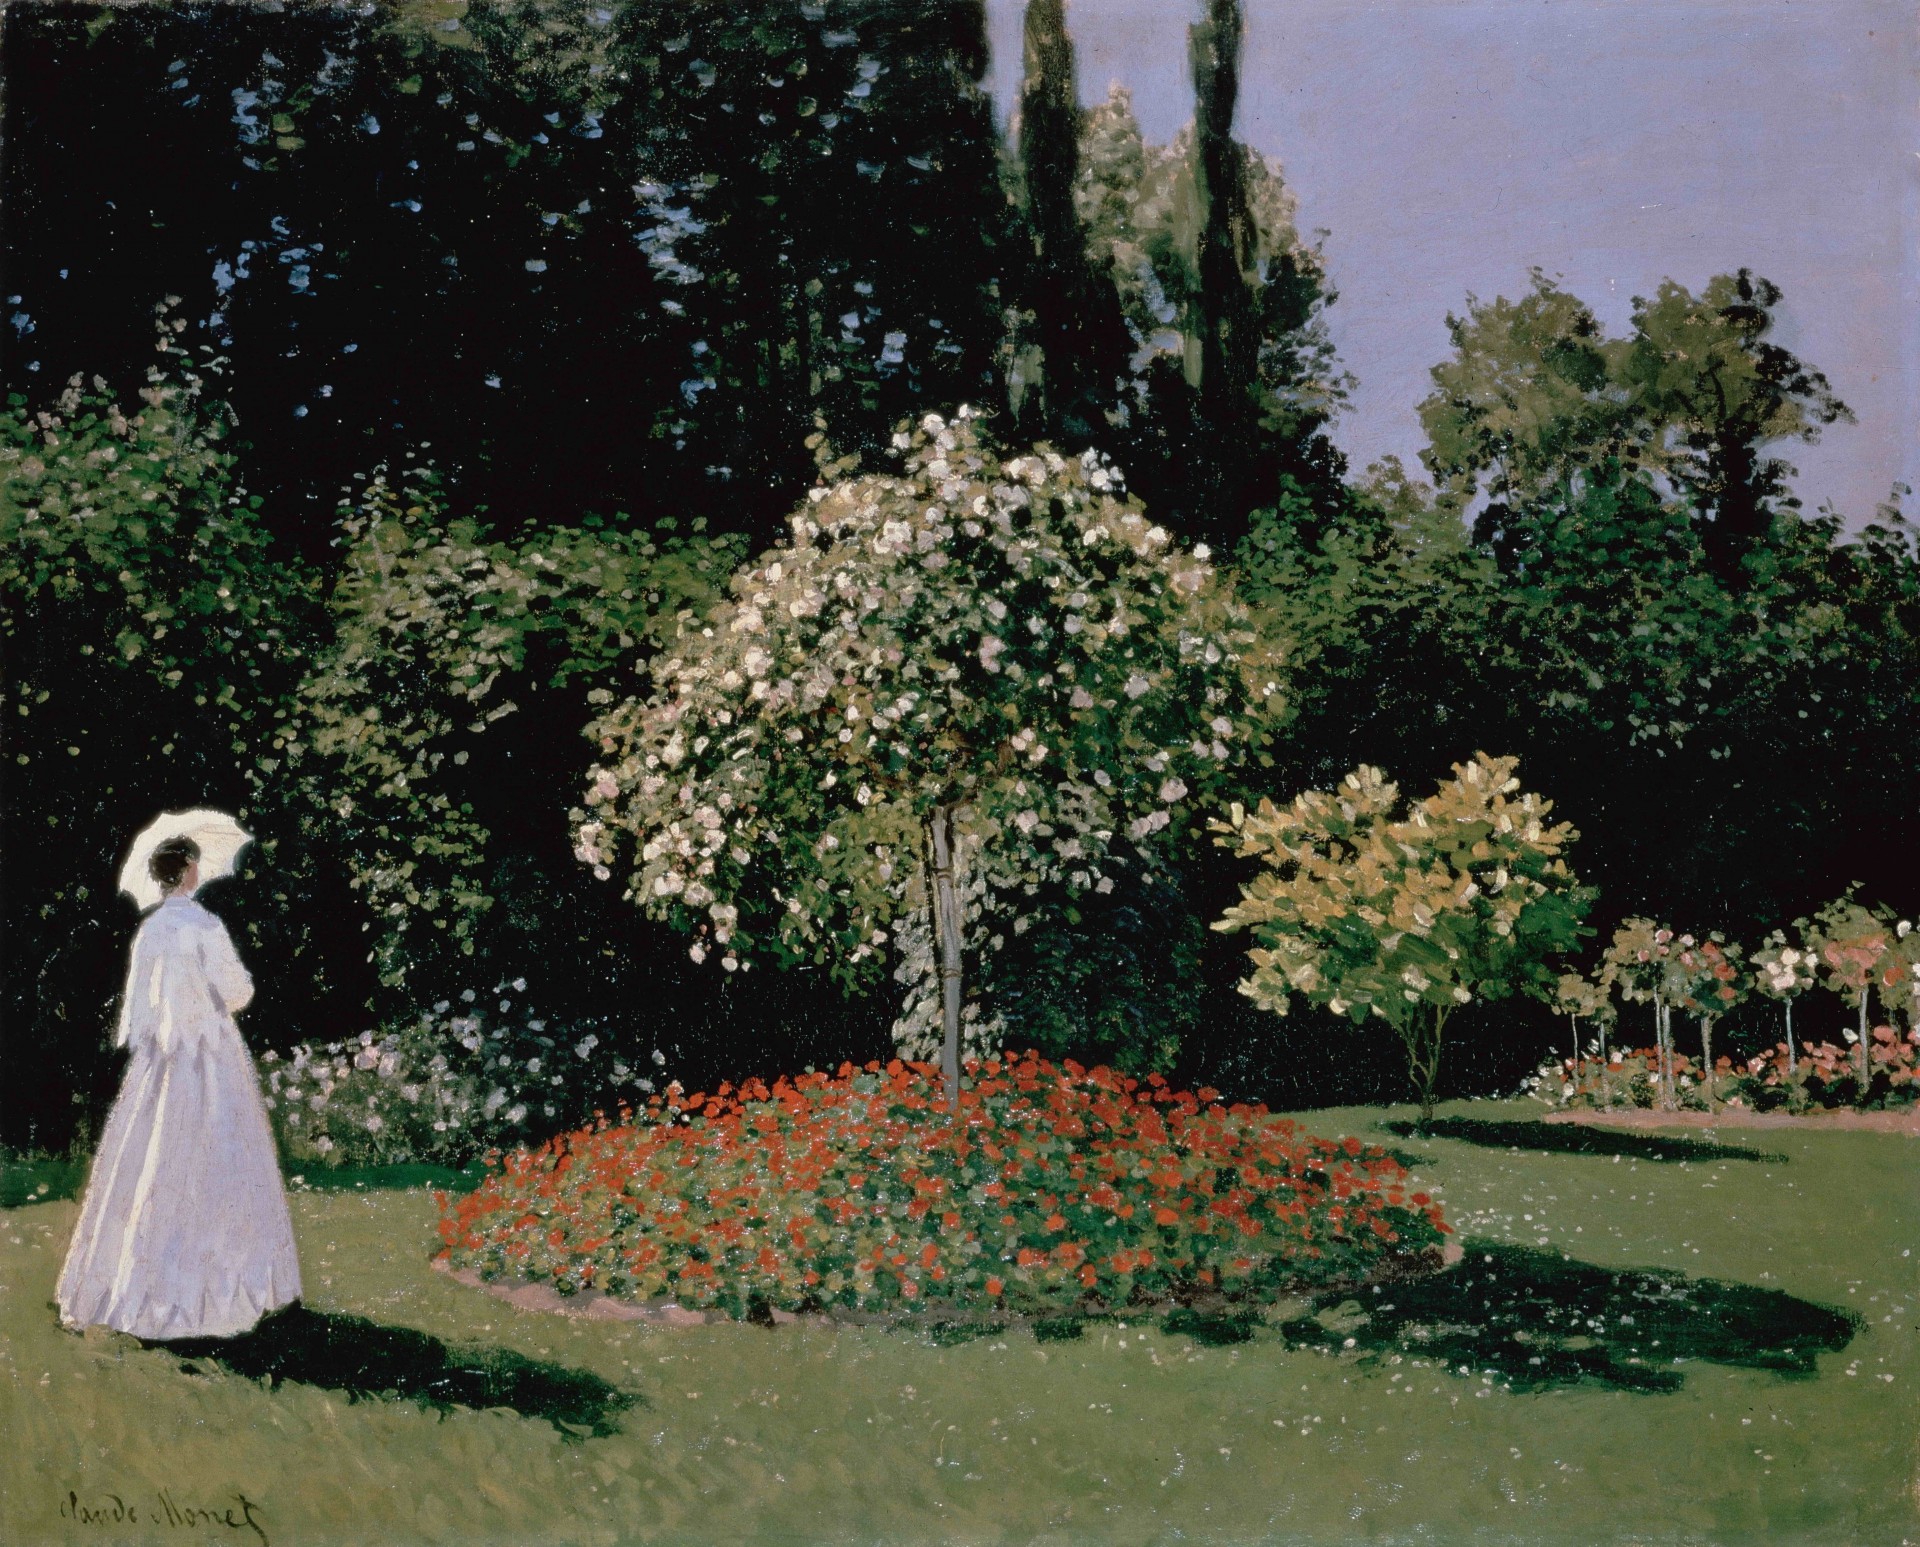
<point x="1734" y="1390"/>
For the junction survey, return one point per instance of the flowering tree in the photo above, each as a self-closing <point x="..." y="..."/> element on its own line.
<point x="1640" y="958"/>
<point x="1784" y="972"/>
<point x="1853" y="943"/>
<point x="1579" y="997"/>
<point x="1708" y="982"/>
<point x="1405" y="914"/>
<point x="1904" y="972"/>
<point x="1003" y="654"/>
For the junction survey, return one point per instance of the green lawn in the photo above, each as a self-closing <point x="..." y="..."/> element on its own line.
<point x="1130" y="1433"/>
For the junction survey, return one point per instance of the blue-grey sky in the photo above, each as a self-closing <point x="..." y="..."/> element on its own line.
<point x="1446" y="146"/>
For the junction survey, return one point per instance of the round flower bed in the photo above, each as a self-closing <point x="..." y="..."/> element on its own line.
<point x="1060" y="1189"/>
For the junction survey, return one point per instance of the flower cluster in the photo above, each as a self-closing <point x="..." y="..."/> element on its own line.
<point x="1783" y="971"/>
<point x="1059" y="1187"/>
<point x="1706" y="977"/>
<point x="466" y="1075"/>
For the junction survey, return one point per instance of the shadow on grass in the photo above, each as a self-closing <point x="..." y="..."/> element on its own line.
<point x="1216" y="1329"/>
<point x="368" y="1361"/>
<point x="1536" y="1319"/>
<point x="402" y="1177"/>
<point x="1575" y="1139"/>
<point x="24" y="1180"/>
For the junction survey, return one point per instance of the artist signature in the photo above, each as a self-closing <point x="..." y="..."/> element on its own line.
<point x="237" y="1513"/>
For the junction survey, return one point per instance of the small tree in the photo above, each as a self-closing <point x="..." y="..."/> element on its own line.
<point x="1901" y="973"/>
<point x="1852" y="942"/>
<point x="1640" y="958"/>
<point x="1405" y="914"/>
<point x="1006" y="654"/>
<point x="1579" y="998"/>
<point x="1708" y="982"/>
<point x="1784" y="972"/>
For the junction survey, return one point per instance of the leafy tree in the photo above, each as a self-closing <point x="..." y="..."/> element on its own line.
<point x="1686" y="721"/>
<point x="1406" y="913"/>
<point x="1707" y="981"/>
<point x="1853" y="942"/>
<point x="1641" y="958"/>
<point x="1146" y="210"/>
<point x="1536" y="398"/>
<point x="1525" y="403"/>
<point x="1383" y="611"/>
<point x="793" y="211"/>
<point x="1579" y="998"/>
<point x="1003" y="653"/>
<point x="1714" y="392"/>
<point x="1784" y="971"/>
<point x="458" y="657"/>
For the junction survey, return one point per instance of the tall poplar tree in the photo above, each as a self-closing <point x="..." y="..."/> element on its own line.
<point x="1067" y="383"/>
<point x="1228" y="325"/>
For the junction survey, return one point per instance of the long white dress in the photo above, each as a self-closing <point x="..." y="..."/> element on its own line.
<point x="184" y="1231"/>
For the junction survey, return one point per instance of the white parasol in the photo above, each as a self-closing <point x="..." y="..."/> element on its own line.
<point x="219" y="836"/>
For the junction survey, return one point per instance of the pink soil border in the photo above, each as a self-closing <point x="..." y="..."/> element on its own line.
<point x="1902" y="1122"/>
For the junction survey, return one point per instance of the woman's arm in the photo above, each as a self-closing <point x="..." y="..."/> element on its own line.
<point x="231" y="984"/>
<point x="123" y="1031"/>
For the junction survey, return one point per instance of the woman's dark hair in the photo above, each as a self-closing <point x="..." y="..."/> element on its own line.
<point x="169" y="862"/>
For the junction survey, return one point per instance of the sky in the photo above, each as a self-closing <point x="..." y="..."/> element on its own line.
<point x="1446" y="147"/>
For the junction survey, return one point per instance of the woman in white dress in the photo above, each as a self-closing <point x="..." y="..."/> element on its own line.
<point x="184" y="1231"/>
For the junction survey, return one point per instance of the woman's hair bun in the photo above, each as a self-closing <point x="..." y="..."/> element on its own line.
<point x="169" y="861"/>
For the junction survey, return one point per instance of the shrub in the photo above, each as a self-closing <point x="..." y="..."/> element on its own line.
<point x="1629" y="1077"/>
<point x="1062" y="1188"/>
<point x="445" y="1087"/>
<point x="1826" y="1075"/>
<point x="1401" y="913"/>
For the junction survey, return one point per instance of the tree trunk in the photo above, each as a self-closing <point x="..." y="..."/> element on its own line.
<point x="1574" y="1022"/>
<point x="1423" y="1064"/>
<point x="1659" y="1054"/>
<point x="946" y="915"/>
<point x="1606" y="1090"/>
<point x="1866" y="1057"/>
<point x="1706" y="1055"/>
<point x="1793" y="1061"/>
<point x="1669" y="1067"/>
